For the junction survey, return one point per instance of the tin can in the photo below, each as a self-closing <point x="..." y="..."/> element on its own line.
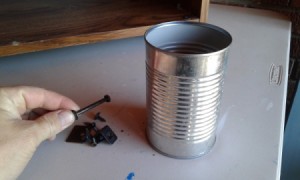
<point x="185" y="65"/>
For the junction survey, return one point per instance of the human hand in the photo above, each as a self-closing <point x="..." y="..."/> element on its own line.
<point x="20" y="138"/>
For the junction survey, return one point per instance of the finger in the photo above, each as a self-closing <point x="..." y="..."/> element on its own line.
<point x="52" y="138"/>
<point x="41" y="98"/>
<point x="26" y="97"/>
<point x="36" y="113"/>
<point x="52" y="123"/>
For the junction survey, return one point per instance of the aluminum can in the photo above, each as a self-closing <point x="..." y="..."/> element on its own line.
<point x="185" y="66"/>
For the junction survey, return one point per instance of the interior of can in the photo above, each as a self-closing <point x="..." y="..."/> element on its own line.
<point x="188" y="37"/>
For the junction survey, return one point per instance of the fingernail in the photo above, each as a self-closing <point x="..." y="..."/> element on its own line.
<point x="66" y="118"/>
<point x="76" y="108"/>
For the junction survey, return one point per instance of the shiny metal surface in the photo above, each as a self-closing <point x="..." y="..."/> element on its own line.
<point x="185" y="66"/>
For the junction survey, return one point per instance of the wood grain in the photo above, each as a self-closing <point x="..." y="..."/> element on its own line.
<point x="34" y="46"/>
<point x="204" y="10"/>
<point x="34" y="25"/>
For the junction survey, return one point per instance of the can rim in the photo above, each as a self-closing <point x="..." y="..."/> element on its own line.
<point x="206" y="25"/>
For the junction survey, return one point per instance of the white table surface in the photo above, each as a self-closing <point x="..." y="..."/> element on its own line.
<point x="250" y="130"/>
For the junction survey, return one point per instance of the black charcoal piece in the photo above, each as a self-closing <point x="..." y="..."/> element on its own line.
<point x="77" y="135"/>
<point x="86" y="135"/>
<point x="99" y="138"/>
<point x="98" y="117"/>
<point x="108" y="134"/>
<point x="93" y="142"/>
<point x="91" y="125"/>
<point x="90" y="134"/>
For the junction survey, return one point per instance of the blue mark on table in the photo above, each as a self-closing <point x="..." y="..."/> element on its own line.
<point x="130" y="176"/>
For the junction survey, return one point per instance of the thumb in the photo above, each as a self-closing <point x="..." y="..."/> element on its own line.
<point x="52" y="123"/>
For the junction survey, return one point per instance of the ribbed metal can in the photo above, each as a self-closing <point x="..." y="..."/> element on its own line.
<point x="185" y="65"/>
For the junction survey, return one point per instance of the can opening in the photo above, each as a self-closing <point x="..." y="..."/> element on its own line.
<point x="188" y="38"/>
